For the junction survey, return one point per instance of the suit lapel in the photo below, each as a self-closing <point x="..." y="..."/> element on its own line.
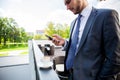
<point x="87" y="27"/>
<point x="72" y="27"/>
<point x="71" y="31"/>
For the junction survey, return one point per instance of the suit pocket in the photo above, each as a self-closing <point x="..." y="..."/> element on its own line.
<point x="113" y="77"/>
<point x="109" y="69"/>
<point x="94" y="73"/>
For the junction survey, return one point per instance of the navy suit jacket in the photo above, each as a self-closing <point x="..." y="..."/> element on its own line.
<point x="98" y="55"/>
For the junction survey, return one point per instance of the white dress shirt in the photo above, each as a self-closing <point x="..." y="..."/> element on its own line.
<point x="85" y="15"/>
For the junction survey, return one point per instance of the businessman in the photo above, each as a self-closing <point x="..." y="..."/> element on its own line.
<point x="93" y="49"/>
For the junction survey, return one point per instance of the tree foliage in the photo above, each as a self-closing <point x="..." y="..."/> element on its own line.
<point x="37" y="37"/>
<point x="62" y="30"/>
<point x="11" y="32"/>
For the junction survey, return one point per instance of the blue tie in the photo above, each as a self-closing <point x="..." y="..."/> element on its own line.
<point x="73" y="45"/>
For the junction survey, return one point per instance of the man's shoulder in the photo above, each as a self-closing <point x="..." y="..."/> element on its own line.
<point x="104" y="10"/>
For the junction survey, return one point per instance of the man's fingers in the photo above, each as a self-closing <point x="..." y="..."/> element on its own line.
<point x="56" y="42"/>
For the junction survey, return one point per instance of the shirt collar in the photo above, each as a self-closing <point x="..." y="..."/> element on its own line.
<point x="86" y="11"/>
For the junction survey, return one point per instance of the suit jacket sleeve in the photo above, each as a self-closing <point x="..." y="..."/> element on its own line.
<point x="65" y="46"/>
<point x="111" y="43"/>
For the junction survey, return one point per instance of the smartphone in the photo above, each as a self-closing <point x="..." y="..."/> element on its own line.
<point x="49" y="37"/>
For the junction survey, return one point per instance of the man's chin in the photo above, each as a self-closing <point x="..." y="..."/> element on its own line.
<point x="76" y="13"/>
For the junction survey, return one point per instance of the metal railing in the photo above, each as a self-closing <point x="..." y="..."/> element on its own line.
<point x="35" y="60"/>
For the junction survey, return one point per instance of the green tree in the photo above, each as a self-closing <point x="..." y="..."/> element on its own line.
<point x="37" y="37"/>
<point x="13" y="30"/>
<point x="9" y="31"/>
<point x="50" y="29"/>
<point x="23" y="35"/>
<point x="66" y="31"/>
<point x="62" y="30"/>
<point x="5" y="30"/>
<point x="1" y="29"/>
<point x="14" y="33"/>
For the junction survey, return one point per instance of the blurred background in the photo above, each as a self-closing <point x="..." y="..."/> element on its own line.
<point x="23" y="20"/>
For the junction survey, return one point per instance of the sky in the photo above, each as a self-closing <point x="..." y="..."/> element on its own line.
<point x="35" y="14"/>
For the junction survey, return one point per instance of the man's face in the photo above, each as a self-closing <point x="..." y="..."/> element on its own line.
<point x="76" y="6"/>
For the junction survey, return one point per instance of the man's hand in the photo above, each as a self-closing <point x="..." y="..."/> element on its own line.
<point x="57" y="40"/>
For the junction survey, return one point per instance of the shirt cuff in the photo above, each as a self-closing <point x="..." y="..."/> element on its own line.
<point x="64" y="47"/>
